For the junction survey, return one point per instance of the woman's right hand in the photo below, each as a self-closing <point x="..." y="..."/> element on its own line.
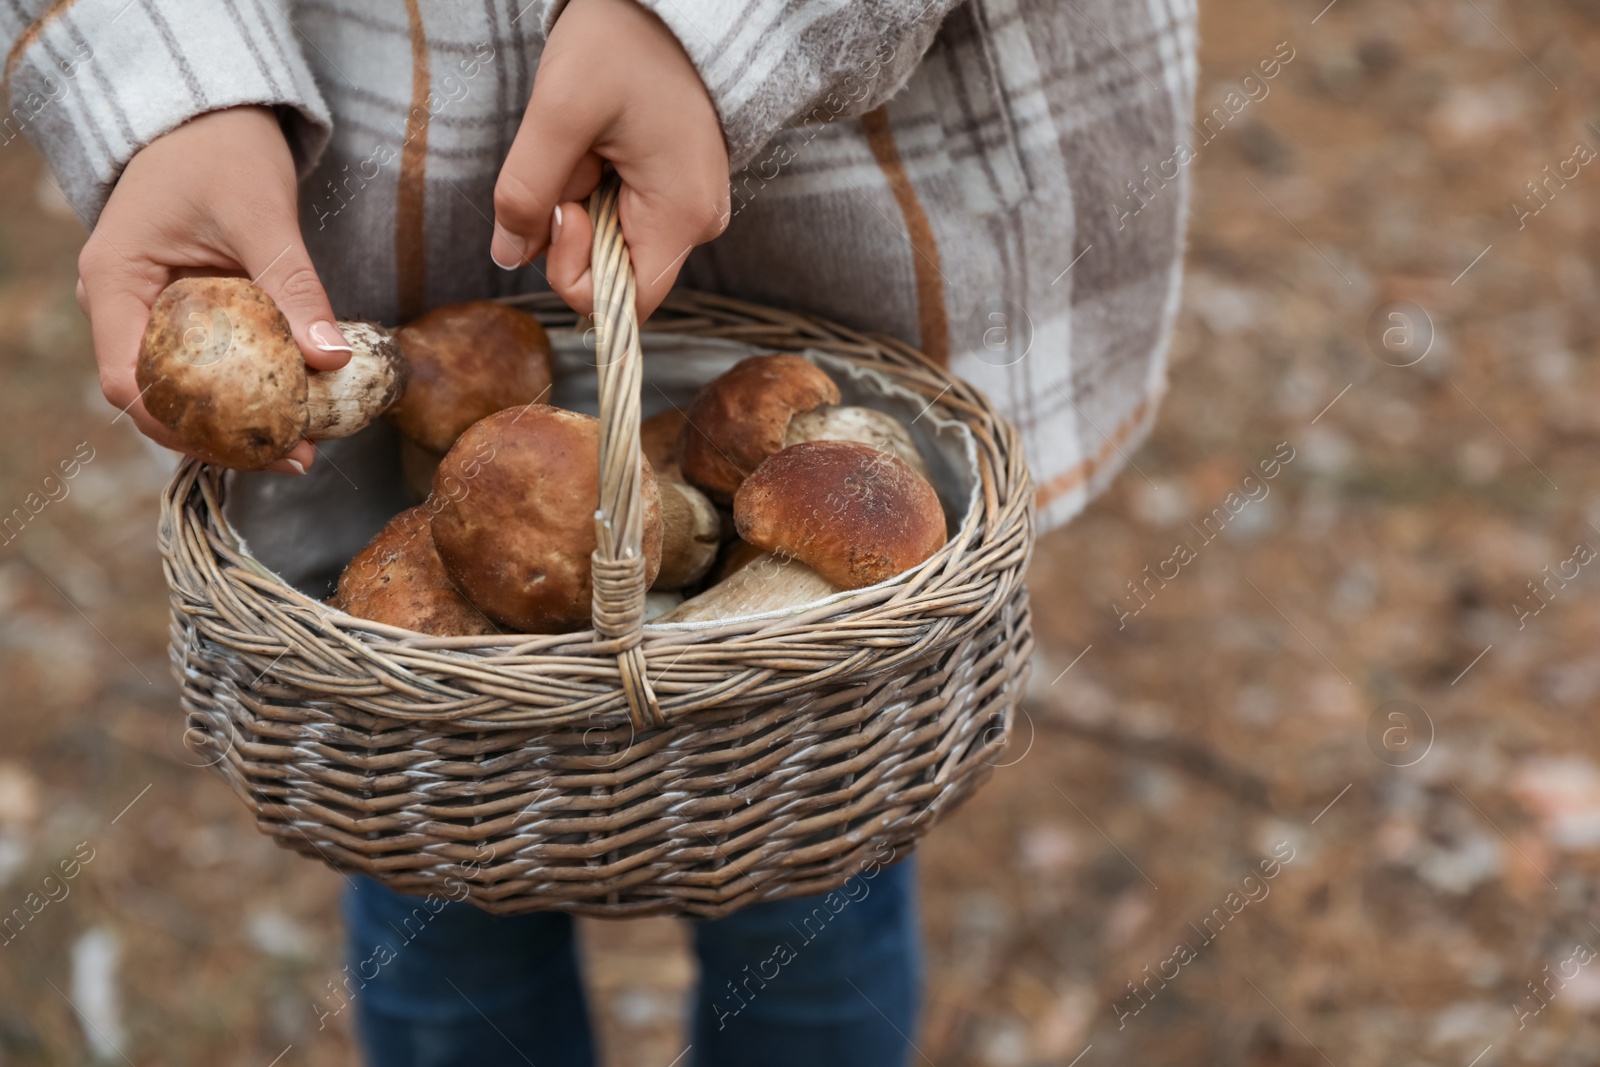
<point x="215" y="196"/>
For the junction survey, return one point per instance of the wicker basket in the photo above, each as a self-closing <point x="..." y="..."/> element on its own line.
<point x="631" y="769"/>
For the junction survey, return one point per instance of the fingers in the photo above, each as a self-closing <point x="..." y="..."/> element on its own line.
<point x="115" y="295"/>
<point x="543" y="163"/>
<point x="298" y="461"/>
<point x="275" y="259"/>
<point x="662" y="228"/>
<point x="567" y="266"/>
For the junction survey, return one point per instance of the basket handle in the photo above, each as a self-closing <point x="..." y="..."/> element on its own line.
<point x="618" y="563"/>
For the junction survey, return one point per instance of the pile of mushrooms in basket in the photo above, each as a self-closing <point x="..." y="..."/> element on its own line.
<point x="765" y="493"/>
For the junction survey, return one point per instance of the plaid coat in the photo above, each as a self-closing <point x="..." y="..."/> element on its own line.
<point x="984" y="179"/>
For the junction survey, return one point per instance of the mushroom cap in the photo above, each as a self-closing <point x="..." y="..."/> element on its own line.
<point x="514" y="503"/>
<point x="658" y="437"/>
<point x="856" y="515"/>
<point x="740" y="418"/>
<point x="468" y="361"/>
<point x="398" y="579"/>
<point x="219" y="367"/>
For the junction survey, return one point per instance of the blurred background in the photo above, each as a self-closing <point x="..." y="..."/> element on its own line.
<point x="1378" y="680"/>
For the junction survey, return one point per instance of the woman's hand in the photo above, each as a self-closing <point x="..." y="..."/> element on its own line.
<point x="217" y="195"/>
<point x="613" y="86"/>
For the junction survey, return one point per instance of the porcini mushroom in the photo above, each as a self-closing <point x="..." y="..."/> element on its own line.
<point x="825" y="516"/>
<point x="691" y="534"/>
<point x="856" y="515"/>
<point x="398" y="579"/>
<point x="658" y="439"/>
<point x="741" y="417"/>
<point x="852" y="423"/>
<point x="736" y="555"/>
<point x="693" y="527"/>
<point x="468" y="361"/>
<point x="219" y="367"/>
<point x="765" y="583"/>
<point x="514" y="506"/>
<point x="764" y="404"/>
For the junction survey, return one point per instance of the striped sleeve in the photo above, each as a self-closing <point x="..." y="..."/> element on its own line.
<point x="769" y="64"/>
<point x="93" y="81"/>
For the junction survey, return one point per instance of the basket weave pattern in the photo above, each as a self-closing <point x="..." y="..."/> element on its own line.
<point x="625" y="770"/>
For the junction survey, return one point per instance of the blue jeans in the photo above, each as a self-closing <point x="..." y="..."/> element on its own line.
<point x="832" y="979"/>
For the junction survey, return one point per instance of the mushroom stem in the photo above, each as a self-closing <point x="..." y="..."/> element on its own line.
<point x="766" y="583"/>
<point x="344" y="401"/>
<point x="691" y="533"/>
<point x="849" y="423"/>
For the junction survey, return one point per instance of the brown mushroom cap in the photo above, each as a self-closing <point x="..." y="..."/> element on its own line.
<point x="468" y="361"/>
<point x="740" y="418"/>
<point x="658" y="437"/>
<point x="854" y="514"/>
<point x="398" y="579"/>
<point x="514" y="504"/>
<point x="219" y="367"/>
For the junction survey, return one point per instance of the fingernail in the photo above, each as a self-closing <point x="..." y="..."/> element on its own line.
<point x="555" y="227"/>
<point x="298" y="468"/>
<point x="509" y="245"/>
<point x="326" y="336"/>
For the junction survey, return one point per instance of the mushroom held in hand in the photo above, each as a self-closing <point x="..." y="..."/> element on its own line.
<point x="856" y="515"/>
<point x="514" y="509"/>
<point x="468" y="361"/>
<point x="219" y="367"/>
<point x="398" y="579"/>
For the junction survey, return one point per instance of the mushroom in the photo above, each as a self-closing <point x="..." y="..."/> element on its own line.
<point x="514" y="506"/>
<point x="693" y="524"/>
<point x="736" y="555"/>
<point x="468" y="361"/>
<point x="692" y="532"/>
<point x="764" y="404"/>
<point x="765" y="583"/>
<point x="856" y="515"/>
<point x="398" y="579"/>
<point x="851" y="423"/>
<point x="741" y="417"/>
<point x="658" y="438"/>
<point x="826" y="515"/>
<point x="219" y="367"/>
